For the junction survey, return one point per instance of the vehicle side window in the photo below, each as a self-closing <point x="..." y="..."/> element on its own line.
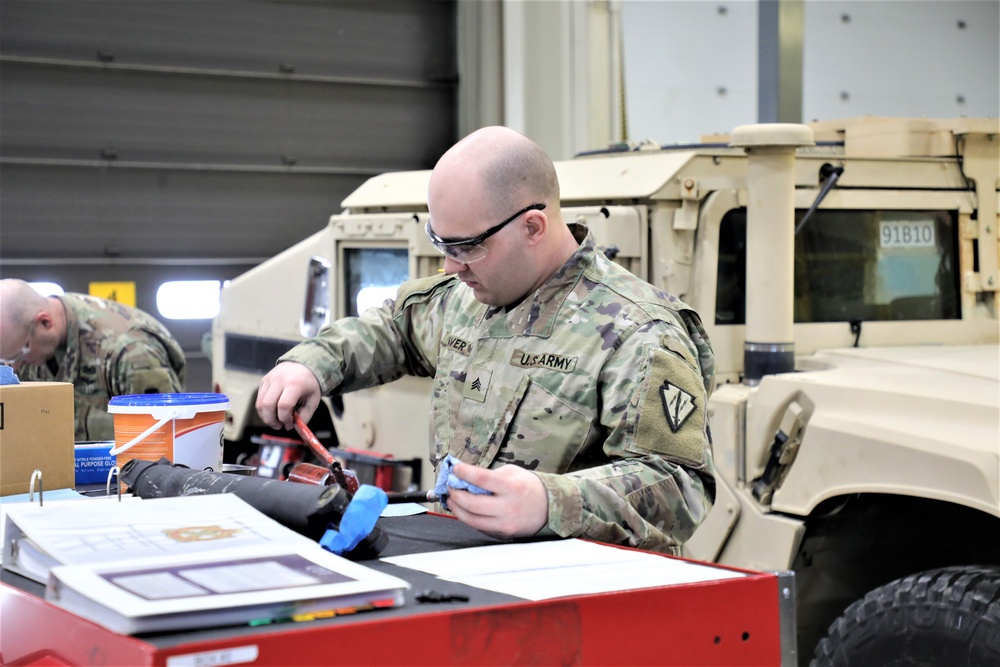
<point x="372" y="275"/>
<point x="854" y="265"/>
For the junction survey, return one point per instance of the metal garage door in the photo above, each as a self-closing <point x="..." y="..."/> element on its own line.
<point x="145" y="141"/>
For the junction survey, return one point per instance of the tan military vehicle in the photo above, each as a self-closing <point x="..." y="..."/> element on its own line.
<point x="847" y="273"/>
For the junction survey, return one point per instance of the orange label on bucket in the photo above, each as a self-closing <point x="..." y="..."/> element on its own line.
<point x="195" y="442"/>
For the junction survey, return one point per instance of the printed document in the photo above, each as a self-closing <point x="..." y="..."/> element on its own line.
<point x="559" y="568"/>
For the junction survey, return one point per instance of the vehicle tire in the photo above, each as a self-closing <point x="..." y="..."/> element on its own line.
<point x="949" y="616"/>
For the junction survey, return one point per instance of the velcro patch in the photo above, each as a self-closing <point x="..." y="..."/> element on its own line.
<point x="477" y="383"/>
<point x="671" y="411"/>
<point x="554" y="362"/>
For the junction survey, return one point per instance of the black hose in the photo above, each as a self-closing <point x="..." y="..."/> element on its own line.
<point x="305" y="508"/>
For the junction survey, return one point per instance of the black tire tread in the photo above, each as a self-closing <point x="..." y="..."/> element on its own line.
<point x="948" y="616"/>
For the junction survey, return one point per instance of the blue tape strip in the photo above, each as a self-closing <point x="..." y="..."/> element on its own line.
<point x="358" y="520"/>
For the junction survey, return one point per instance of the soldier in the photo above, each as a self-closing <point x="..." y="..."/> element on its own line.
<point x="104" y="348"/>
<point x="570" y="389"/>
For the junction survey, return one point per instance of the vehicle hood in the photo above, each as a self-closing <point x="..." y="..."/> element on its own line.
<point x="921" y="420"/>
<point x="966" y="374"/>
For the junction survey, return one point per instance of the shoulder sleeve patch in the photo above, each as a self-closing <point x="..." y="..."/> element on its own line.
<point x="152" y="381"/>
<point x="671" y="411"/>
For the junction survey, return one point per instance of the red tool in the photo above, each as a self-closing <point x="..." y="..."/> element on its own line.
<point x="306" y="472"/>
<point x="313" y="442"/>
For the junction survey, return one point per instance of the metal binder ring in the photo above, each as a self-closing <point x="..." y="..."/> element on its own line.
<point x="107" y="488"/>
<point x="31" y="487"/>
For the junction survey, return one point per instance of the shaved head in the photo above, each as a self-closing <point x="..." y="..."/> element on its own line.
<point x="19" y="303"/>
<point x="504" y="166"/>
<point x="27" y="316"/>
<point x="479" y="185"/>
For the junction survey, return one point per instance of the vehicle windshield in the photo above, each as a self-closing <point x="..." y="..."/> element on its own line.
<point x="854" y="265"/>
<point x="372" y="275"/>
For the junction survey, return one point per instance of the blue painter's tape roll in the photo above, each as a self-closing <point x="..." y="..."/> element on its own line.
<point x="358" y="521"/>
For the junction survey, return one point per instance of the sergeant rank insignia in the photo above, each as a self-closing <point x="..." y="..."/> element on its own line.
<point x="677" y="405"/>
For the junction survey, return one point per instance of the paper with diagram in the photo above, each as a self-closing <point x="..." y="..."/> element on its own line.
<point x="40" y="537"/>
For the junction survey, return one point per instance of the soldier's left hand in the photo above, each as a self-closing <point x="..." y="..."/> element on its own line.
<point x="519" y="506"/>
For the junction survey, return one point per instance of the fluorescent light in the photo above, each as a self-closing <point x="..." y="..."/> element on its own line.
<point x="189" y="299"/>
<point x="48" y="289"/>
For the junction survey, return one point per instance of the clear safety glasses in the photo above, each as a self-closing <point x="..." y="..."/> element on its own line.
<point x="469" y="250"/>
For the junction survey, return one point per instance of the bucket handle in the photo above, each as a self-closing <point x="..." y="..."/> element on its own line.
<point x="142" y="436"/>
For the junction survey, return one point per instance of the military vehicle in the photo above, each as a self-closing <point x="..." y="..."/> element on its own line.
<point x="847" y="273"/>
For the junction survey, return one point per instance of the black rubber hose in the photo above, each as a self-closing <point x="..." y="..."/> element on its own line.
<point x="305" y="508"/>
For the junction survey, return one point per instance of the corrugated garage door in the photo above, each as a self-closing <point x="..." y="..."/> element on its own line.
<point x="154" y="140"/>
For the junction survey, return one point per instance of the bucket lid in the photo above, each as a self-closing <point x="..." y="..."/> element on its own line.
<point x="160" y="400"/>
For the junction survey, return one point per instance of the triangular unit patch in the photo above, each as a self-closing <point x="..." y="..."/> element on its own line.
<point x="677" y="405"/>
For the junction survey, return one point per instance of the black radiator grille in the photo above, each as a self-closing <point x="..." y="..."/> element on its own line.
<point x="252" y="354"/>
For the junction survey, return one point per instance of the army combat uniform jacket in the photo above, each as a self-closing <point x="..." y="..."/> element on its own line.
<point x="111" y="350"/>
<point x="598" y="382"/>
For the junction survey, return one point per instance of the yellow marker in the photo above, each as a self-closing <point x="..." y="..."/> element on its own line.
<point x="121" y="292"/>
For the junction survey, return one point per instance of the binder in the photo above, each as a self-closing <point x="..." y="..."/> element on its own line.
<point x="214" y="559"/>
<point x="261" y="584"/>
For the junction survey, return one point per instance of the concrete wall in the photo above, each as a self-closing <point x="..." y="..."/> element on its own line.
<point x="691" y="66"/>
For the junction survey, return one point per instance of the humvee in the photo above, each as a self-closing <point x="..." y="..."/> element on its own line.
<point x="853" y="314"/>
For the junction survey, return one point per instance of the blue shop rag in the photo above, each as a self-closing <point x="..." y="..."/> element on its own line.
<point x="447" y="480"/>
<point x="358" y="520"/>
<point x="8" y="376"/>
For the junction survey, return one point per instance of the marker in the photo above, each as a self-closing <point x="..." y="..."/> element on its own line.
<point x="413" y="497"/>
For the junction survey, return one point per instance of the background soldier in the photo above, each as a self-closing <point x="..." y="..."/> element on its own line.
<point x="103" y="347"/>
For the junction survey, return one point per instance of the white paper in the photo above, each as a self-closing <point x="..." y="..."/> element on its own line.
<point x="403" y="509"/>
<point x="559" y="568"/>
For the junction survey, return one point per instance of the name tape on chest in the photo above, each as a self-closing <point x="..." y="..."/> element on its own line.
<point x="555" y="362"/>
<point x="456" y="344"/>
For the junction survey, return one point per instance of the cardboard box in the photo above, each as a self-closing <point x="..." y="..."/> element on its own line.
<point x="36" y="433"/>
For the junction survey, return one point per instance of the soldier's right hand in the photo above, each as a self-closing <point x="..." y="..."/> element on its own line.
<point x="288" y="388"/>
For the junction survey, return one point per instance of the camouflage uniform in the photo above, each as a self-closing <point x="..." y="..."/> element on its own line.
<point x="111" y="350"/>
<point x="598" y="382"/>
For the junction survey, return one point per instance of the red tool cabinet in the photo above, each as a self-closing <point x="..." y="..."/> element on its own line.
<point x="740" y="621"/>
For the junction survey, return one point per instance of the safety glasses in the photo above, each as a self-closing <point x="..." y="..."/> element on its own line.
<point x="472" y="249"/>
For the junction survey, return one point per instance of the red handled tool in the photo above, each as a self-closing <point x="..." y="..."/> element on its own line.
<point x="306" y="472"/>
<point x="313" y="442"/>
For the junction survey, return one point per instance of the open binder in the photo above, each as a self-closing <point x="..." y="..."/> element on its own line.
<point x="182" y="562"/>
<point x="235" y="586"/>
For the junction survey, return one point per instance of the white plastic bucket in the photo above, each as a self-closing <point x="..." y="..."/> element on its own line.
<point x="184" y="428"/>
